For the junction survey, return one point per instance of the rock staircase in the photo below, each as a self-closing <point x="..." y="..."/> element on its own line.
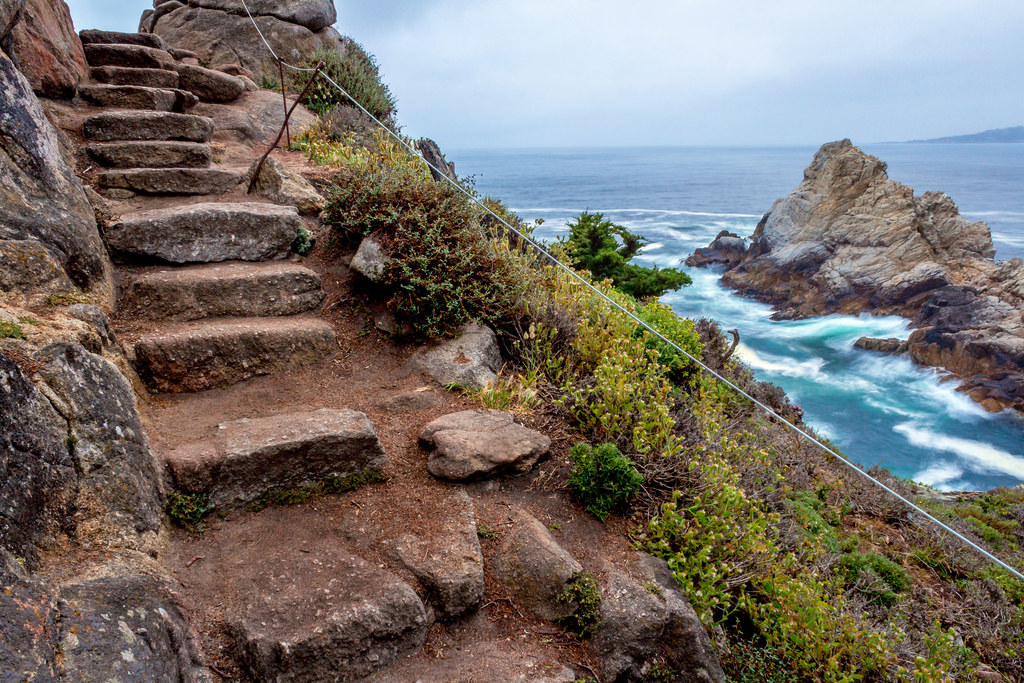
<point x="208" y="284"/>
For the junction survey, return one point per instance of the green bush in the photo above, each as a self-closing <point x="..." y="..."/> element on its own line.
<point x="356" y="71"/>
<point x="584" y="593"/>
<point x="303" y="242"/>
<point x="680" y="331"/>
<point x="893" y="576"/>
<point x="11" y="330"/>
<point x="602" y="478"/>
<point x="597" y="245"/>
<point x="442" y="270"/>
<point x="188" y="510"/>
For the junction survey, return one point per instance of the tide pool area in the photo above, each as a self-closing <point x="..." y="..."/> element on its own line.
<point x="880" y="410"/>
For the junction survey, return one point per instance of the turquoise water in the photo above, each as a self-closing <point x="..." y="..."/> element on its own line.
<point x="880" y="410"/>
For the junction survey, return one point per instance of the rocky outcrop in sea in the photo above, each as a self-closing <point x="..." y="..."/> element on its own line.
<point x="849" y="239"/>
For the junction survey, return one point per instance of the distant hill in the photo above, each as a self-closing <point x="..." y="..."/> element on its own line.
<point x="1014" y="134"/>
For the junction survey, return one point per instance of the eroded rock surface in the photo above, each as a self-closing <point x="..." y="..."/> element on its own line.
<point x="471" y="360"/>
<point x="476" y="444"/>
<point x="849" y="239"/>
<point x="281" y="185"/>
<point x="45" y="47"/>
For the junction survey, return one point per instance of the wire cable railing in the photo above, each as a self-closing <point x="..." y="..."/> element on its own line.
<point x="590" y="286"/>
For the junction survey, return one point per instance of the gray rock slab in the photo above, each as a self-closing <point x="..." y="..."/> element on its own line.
<point x="207" y="232"/>
<point x="123" y="75"/>
<point x="370" y="259"/>
<point x="199" y="356"/>
<point x="195" y="181"/>
<point x="251" y="456"/>
<point x="281" y="185"/>
<point x="150" y="154"/>
<point x="135" y="56"/>
<point x="119" y="499"/>
<point x="147" y="125"/>
<point x="408" y="401"/>
<point x="28" y="624"/>
<point x="534" y="567"/>
<point x="471" y="360"/>
<point x="37" y="471"/>
<point x="138" y="97"/>
<point x="126" y="628"/>
<point x="448" y="564"/>
<point x="326" y="616"/>
<point x="476" y="444"/>
<point x="90" y="36"/>
<point x="44" y="199"/>
<point x="222" y="289"/>
<point x="209" y="85"/>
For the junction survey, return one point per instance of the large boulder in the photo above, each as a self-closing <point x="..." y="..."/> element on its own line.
<point x="119" y="501"/>
<point x="10" y="12"/>
<point x="281" y="185"/>
<point x="649" y="622"/>
<point x="220" y="38"/>
<point x="535" y="568"/>
<point x="471" y="360"/>
<point x="40" y="196"/>
<point x="126" y="628"/>
<point x="312" y="14"/>
<point x="37" y="470"/>
<point x="254" y="118"/>
<point x="476" y="444"/>
<point x="45" y="47"/>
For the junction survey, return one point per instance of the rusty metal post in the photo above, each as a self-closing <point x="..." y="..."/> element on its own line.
<point x="259" y="166"/>
<point x="284" y="98"/>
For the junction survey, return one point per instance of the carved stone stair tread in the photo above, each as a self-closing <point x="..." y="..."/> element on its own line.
<point x="90" y="36"/>
<point x="171" y="180"/>
<point x="324" y="615"/>
<point x="137" y="56"/>
<point x="151" y="154"/>
<point x="251" y="456"/>
<point x="207" y="233"/>
<point x="204" y="355"/>
<point x="147" y="125"/>
<point x="126" y="75"/>
<point x="138" y="97"/>
<point x="222" y="289"/>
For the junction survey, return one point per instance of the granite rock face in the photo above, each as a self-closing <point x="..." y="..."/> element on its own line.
<point x="44" y="46"/>
<point x="312" y="14"/>
<point x="849" y="239"/>
<point x="28" y="269"/>
<point x="41" y="198"/>
<point x="220" y="38"/>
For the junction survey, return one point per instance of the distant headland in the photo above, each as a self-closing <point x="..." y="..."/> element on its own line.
<point x="1013" y="134"/>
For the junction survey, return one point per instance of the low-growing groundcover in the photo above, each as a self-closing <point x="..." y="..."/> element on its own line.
<point x="754" y="523"/>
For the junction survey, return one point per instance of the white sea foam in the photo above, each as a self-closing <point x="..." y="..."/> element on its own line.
<point x="940" y="475"/>
<point x="667" y="212"/>
<point x="810" y="368"/>
<point x="983" y="456"/>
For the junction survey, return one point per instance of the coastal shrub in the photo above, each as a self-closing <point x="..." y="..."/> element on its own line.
<point x="584" y="594"/>
<point x="681" y="332"/>
<point x="356" y="71"/>
<point x="860" y="568"/>
<point x="604" y="249"/>
<point x="188" y="510"/>
<point x="603" y="479"/>
<point x="442" y="270"/>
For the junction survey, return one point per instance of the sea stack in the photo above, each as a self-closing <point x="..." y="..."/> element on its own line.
<point x="849" y="239"/>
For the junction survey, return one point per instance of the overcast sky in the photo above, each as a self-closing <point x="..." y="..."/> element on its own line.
<point x="540" y="73"/>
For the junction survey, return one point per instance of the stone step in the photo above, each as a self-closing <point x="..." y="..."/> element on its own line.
<point x="91" y="36"/>
<point x="147" y="125"/>
<point x="222" y="289"/>
<point x="249" y="457"/>
<point x="210" y="85"/>
<point x="135" y="56"/>
<point x="324" y="615"/>
<point x="171" y="180"/>
<point x="206" y="233"/>
<point x="151" y="154"/>
<point x="125" y="75"/>
<point x="138" y="97"/>
<point x="204" y="355"/>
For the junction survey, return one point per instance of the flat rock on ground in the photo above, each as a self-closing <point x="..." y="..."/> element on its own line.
<point x="251" y="456"/>
<point x="471" y="360"/>
<point x="326" y="615"/>
<point x="475" y="444"/>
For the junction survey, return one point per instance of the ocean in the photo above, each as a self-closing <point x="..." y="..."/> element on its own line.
<point x="880" y="410"/>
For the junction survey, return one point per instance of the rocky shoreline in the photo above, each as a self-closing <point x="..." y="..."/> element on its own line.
<point x="851" y="240"/>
